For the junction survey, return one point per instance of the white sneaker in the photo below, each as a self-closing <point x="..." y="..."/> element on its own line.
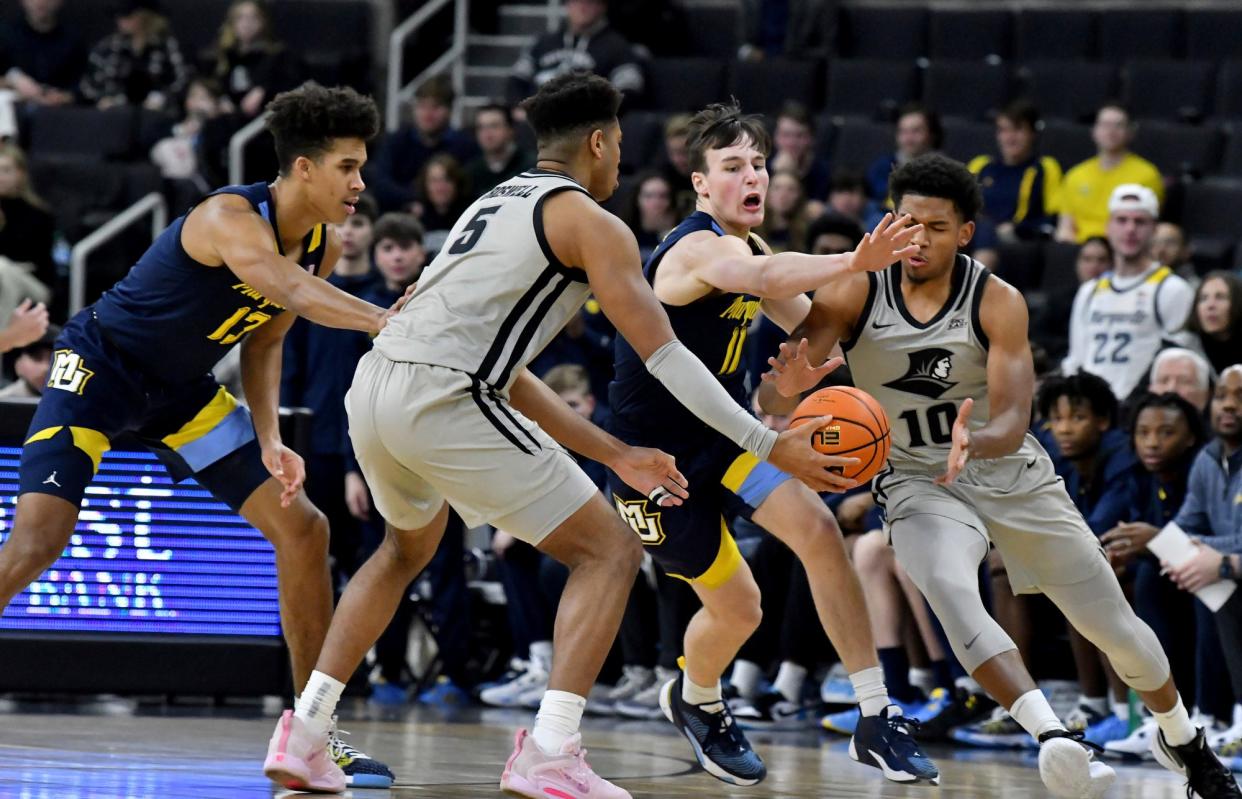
<point x="634" y="680"/>
<point x="524" y="690"/>
<point x="1137" y="745"/>
<point x="1069" y="769"/>
<point x="646" y="703"/>
<point x="1218" y="735"/>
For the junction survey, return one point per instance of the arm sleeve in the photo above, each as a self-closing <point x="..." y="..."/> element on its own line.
<point x="688" y="380"/>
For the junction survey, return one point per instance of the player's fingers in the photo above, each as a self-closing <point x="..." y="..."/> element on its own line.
<point x="880" y="226"/>
<point x="906" y="252"/>
<point x="814" y="423"/>
<point x="831" y="364"/>
<point x="25" y="306"/>
<point x="833" y="461"/>
<point x="963" y="413"/>
<point x="678" y="478"/>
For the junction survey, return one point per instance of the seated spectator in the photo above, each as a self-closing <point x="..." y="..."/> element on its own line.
<point x="847" y="195"/>
<point x="785" y="214"/>
<point x="676" y="164"/>
<point x="1021" y="188"/>
<point x="27" y="227"/>
<point x="918" y="132"/>
<point x="442" y="197"/>
<point x="178" y="155"/>
<point x="1085" y="192"/>
<point x="357" y="234"/>
<point x="25" y="323"/>
<point x="139" y="64"/>
<point x="1183" y="372"/>
<point x="649" y="212"/>
<point x="250" y="64"/>
<point x="801" y="29"/>
<point x="1095" y="257"/>
<point x="586" y="42"/>
<point x="41" y="58"/>
<point x="31" y="364"/>
<point x="404" y="153"/>
<point x="1170" y="248"/>
<point x="399" y="256"/>
<point x="499" y="158"/>
<point x="794" y="151"/>
<point x="832" y="234"/>
<point x="1216" y="321"/>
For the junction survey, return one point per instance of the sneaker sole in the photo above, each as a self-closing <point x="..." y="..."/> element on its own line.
<point x="294" y="782"/>
<point x="666" y="706"/>
<point x="368" y="781"/>
<point x="890" y="774"/>
<point x="1065" y="769"/>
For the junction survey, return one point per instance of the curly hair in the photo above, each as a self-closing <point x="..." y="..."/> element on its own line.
<point x="722" y="125"/>
<point x="573" y="104"/>
<point x="306" y="120"/>
<point x="1172" y="402"/>
<point x="1080" y="387"/>
<point x="936" y="175"/>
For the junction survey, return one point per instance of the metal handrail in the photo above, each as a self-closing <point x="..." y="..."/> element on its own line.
<point x="237" y="148"/>
<point x="397" y="93"/>
<point x="152" y="203"/>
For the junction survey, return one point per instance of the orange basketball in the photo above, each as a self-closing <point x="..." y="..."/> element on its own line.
<point x="859" y="428"/>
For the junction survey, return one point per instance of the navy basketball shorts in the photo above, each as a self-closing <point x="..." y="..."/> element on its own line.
<point x="692" y="541"/>
<point x="93" y="395"/>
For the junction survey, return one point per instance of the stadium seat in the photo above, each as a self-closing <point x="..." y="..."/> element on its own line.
<point x="308" y="26"/>
<point x="684" y="84"/>
<point x="763" y="86"/>
<point x="1229" y="90"/>
<point x="1070" y="90"/>
<point x="969" y="35"/>
<point x="1178" y="149"/>
<point x="1068" y="142"/>
<point x="1213" y="35"/>
<point x="870" y="87"/>
<point x="1168" y="89"/>
<point x="1211" y="208"/>
<point x="713" y="31"/>
<point x="83" y="132"/>
<point x="965" y="88"/>
<point x="966" y="138"/>
<point x="1020" y="264"/>
<point x="643" y="134"/>
<point x="825" y="134"/>
<point x="898" y="34"/>
<point x="859" y="142"/>
<point x="1231" y="160"/>
<point x="1060" y="267"/>
<point x="1140" y="33"/>
<point x="196" y="24"/>
<point x="1054" y="34"/>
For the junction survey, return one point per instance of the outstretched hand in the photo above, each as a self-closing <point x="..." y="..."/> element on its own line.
<point x="653" y="473"/>
<point x="288" y="467"/>
<point x="398" y="305"/>
<point x="960" y="453"/>
<point x="888" y="243"/>
<point x="792" y="373"/>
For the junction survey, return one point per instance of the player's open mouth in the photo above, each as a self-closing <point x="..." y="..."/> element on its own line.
<point x="917" y="261"/>
<point x="752" y="202"/>
<point x="352" y="205"/>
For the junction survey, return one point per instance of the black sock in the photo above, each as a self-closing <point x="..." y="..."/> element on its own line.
<point x="897" y="674"/>
<point x="942" y="674"/>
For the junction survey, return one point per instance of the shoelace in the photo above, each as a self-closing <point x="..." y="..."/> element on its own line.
<point x="1207" y="775"/>
<point x="1074" y="735"/>
<point x="338" y="748"/>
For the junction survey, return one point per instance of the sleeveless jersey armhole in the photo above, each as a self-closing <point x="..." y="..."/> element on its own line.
<point x="864" y="315"/>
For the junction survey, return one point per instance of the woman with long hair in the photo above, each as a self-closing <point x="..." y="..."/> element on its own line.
<point x="27" y="227"/>
<point x="1216" y="320"/>
<point x="139" y="64"/>
<point x="250" y="63"/>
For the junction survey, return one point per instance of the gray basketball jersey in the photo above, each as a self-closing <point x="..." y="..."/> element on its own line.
<point x="496" y="294"/>
<point x="921" y="372"/>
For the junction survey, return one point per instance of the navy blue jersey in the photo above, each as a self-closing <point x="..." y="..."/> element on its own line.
<point x="712" y="327"/>
<point x="174" y="317"/>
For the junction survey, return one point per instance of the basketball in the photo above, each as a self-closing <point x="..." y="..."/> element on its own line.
<point x="859" y="428"/>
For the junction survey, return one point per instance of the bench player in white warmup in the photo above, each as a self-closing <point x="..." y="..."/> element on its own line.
<point x="943" y="346"/>
<point x="443" y="410"/>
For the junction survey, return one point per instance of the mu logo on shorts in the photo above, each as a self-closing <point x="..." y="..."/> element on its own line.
<point x="68" y="373"/>
<point x="641" y="521"/>
<point x="928" y="373"/>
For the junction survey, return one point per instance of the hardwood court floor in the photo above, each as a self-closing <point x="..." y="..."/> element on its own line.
<point x="195" y="754"/>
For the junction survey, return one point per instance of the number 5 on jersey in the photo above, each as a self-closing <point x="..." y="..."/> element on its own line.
<point x="474" y="230"/>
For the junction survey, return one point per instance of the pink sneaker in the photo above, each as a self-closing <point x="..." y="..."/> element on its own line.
<point x="529" y="772"/>
<point x="298" y="759"/>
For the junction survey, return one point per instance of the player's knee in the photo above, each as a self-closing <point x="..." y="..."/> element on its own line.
<point x="817" y="534"/>
<point x="872" y="556"/>
<point x="307" y="531"/>
<point x="35" y="545"/>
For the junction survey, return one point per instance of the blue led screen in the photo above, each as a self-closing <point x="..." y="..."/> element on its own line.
<point x="148" y="556"/>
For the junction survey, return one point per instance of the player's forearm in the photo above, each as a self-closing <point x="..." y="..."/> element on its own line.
<point x="1001" y="436"/>
<point x="774" y="402"/>
<point x="260" y="374"/>
<point x="537" y="402"/>
<point x="789" y="274"/>
<point x="325" y="304"/>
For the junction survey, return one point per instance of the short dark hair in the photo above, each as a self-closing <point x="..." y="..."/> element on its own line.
<point x="934" y="126"/>
<point x="831" y="222"/>
<point x="936" y="175"/>
<point x="438" y="89"/>
<point x="569" y="105"/>
<point x="1173" y="402"/>
<point x="1080" y="387"/>
<point x="496" y="108"/>
<point x="367" y="207"/>
<point x="397" y="226"/>
<point x="306" y="120"/>
<point x="721" y="125"/>
<point x="1021" y="113"/>
<point x="796" y="111"/>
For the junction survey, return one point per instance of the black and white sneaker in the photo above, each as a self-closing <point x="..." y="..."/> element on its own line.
<point x="1206" y="777"/>
<point x="769" y="711"/>
<point x="719" y="745"/>
<point x="966" y="708"/>
<point x="884" y="741"/>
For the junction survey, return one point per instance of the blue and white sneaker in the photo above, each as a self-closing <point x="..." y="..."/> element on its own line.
<point x="846" y="722"/>
<point x="1001" y="731"/>
<point x="1111" y="728"/>
<point x="884" y="741"/>
<point x="719" y="744"/>
<point x="361" y="770"/>
<point x="937" y="701"/>
<point x="836" y="689"/>
<point x="445" y="694"/>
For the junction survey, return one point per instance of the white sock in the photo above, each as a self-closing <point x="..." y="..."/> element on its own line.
<point x="870" y="690"/>
<point x="693" y="694"/>
<point x="745" y="678"/>
<point x="1097" y="703"/>
<point x="1175" y="724"/>
<point x="1033" y="712"/>
<point x="923" y="679"/>
<point x="789" y="680"/>
<point x="317" y="703"/>
<point x="1121" y="710"/>
<point x="541" y="655"/>
<point x="559" y="715"/>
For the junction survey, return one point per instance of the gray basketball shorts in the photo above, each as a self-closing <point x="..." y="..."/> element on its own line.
<point x="424" y="434"/>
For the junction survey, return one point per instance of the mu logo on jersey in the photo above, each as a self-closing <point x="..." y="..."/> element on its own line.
<point x="928" y="373"/>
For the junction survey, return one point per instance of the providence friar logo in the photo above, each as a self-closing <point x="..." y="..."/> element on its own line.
<point x="928" y="374"/>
